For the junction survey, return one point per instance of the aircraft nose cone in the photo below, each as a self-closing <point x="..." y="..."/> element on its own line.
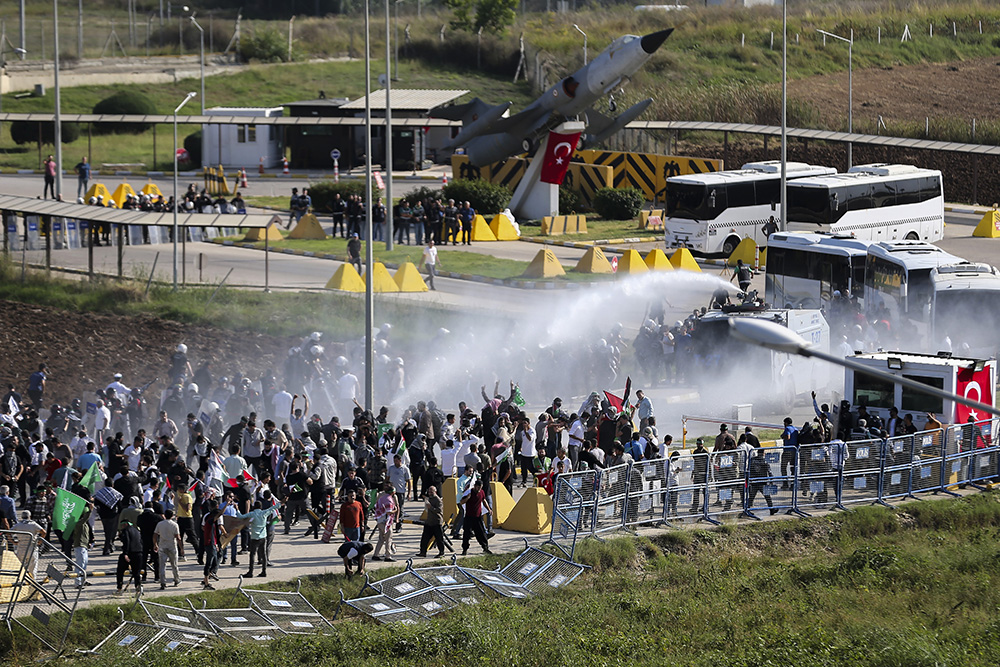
<point x="652" y="41"/>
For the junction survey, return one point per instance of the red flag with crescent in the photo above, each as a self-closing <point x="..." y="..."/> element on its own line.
<point x="558" y="152"/>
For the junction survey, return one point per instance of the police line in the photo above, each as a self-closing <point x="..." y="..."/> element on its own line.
<point x="768" y="480"/>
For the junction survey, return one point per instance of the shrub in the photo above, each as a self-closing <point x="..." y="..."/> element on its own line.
<point x="192" y="143"/>
<point x="26" y="132"/>
<point x="488" y="199"/>
<point x="618" y="203"/>
<point x="267" y="45"/>
<point x="569" y="200"/>
<point x="124" y="102"/>
<point x="322" y="193"/>
<point x="423" y="193"/>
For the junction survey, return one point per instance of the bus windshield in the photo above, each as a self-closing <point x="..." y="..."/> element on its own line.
<point x="695" y="201"/>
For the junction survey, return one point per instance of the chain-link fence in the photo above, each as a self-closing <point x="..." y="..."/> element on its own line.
<point x="898" y="463"/>
<point x="768" y="490"/>
<point x="726" y="484"/>
<point x="687" y="479"/>
<point x="572" y="509"/>
<point x="288" y="610"/>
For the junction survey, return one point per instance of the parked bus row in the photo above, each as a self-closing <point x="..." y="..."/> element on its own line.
<point x="711" y="213"/>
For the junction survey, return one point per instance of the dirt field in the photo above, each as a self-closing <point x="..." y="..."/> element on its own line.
<point x="911" y="93"/>
<point x="84" y="350"/>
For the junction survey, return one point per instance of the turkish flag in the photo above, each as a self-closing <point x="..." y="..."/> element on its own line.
<point x="558" y="151"/>
<point x="976" y="386"/>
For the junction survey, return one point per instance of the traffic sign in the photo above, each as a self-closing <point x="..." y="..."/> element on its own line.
<point x="335" y="154"/>
<point x="614" y="265"/>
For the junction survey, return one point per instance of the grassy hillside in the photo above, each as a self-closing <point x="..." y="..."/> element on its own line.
<point x="911" y="586"/>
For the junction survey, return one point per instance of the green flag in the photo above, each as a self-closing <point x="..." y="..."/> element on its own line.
<point x="382" y="429"/>
<point x="68" y="509"/>
<point x="90" y="478"/>
<point x="518" y="399"/>
<point x="504" y="455"/>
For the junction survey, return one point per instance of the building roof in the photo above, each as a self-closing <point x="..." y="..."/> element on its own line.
<point x="407" y="99"/>
<point x="58" y="209"/>
<point x="321" y="102"/>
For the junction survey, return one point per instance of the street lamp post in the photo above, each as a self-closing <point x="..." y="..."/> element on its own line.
<point x="176" y="201"/>
<point x="780" y="339"/>
<point x="783" y="216"/>
<point x="584" y="42"/>
<point x="850" y="88"/>
<point x="369" y="296"/>
<point x="387" y="227"/>
<point x="58" y="123"/>
<point x="201" y="38"/>
<point x="395" y="27"/>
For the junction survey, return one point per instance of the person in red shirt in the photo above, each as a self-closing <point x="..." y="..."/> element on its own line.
<point x="210" y="543"/>
<point x="475" y="508"/>
<point x="351" y="514"/>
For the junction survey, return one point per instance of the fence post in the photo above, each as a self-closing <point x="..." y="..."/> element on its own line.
<point x="704" y="500"/>
<point x="883" y="447"/>
<point x="795" y="485"/>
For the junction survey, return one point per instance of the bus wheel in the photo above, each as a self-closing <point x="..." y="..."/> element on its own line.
<point x="729" y="246"/>
<point x="912" y="236"/>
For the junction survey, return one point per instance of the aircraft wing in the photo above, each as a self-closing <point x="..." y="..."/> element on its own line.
<point x="521" y="124"/>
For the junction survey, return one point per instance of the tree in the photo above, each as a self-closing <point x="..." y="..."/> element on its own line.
<point x="492" y="16"/>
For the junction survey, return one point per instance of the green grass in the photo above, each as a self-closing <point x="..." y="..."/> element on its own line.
<point x="259" y="85"/>
<point x="912" y="586"/>
<point x="279" y="314"/>
<point x="599" y="229"/>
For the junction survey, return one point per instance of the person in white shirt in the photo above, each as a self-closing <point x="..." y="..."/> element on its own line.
<point x="527" y="449"/>
<point x="448" y="450"/>
<point x="164" y="427"/>
<point x="348" y="388"/>
<point x="102" y="421"/>
<point x="562" y="458"/>
<point x="78" y="445"/>
<point x="282" y="404"/>
<point x="576" y="434"/>
<point x="234" y="465"/>
<point x="430" y="260"/>
<point x="119" y="388"/>
<point x="133" y="455"/>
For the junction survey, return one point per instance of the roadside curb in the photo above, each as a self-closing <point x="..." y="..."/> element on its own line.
<point x="516" y="283"/>
<point x="197" y="174"/>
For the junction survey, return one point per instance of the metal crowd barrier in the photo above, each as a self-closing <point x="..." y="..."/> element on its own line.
<point x="794" y="480"/>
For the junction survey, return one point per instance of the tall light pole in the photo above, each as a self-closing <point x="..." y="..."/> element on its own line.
<point x="584" y="42"/>
<point x="55" y="73"/>
<point x="395" y="27"/>
<point x="850" y="88"/>
<point x="176" y="201"/>
<point x="775" y="337"/>
<point x="202" y="45"/>
<point x="369" y="296"/>
<point x="783" y="224"/>
<point x="388" y="134"/>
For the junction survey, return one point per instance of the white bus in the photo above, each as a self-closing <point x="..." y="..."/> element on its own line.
<point x="898" y="285"/>
<point x="966" y="309"/>
<point x="873" y="202"/>
<point x="804" y="270"/>
<point x="711" y="213"/>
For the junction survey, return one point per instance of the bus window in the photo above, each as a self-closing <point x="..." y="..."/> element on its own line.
<point x="859" y="197"/>
<point x="873" y="392"/>
<point x="776" y="261"/>
<point x="768" y="192"/>
<point x="919" y="402"/>
<point x="858" y="276"/>
<point x="930" y="188"/>
<point x="809" y="205"/>
<point x="740" y="194"/>
<point x="919" y="291"/>
<point x="883" y="194"/>
<point x="825" y="278"/>
<point x="695" y="201"/>
<point x="908" y="191"/>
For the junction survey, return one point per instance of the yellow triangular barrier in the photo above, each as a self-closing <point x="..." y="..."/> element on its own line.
<point x="989" y="226"/>
<point x="481" y="231"/>
<point x="449" y="502"/>
<point x="631" y="263"/>
<point x="503" y="504"/>
<point x="120" y="193"/>
<point x="532" y="513"/>
<point x="683" y="259"/>
<point x="502" y="229"/>
<point x="408" y="278"/>
<point x="657" y="260"/>
<point x="346" y="279"/>
<point x="593" y="261"/>
<point x="746" y="250"/>
<point x="308" y="227"/>
<point x="269" y="233"/>
<point x="382" y="281"/>
<point x="544" y="265"/>
<point x="151" y="189"/>
<point x="98" y="190"/>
